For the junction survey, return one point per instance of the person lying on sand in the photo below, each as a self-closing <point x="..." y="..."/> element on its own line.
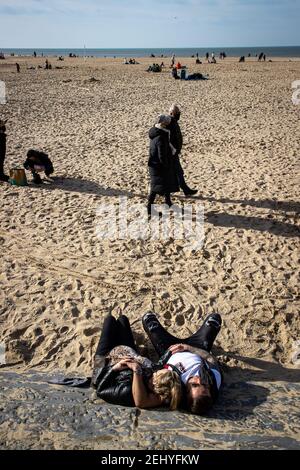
<point x="38" y="162"/>
<point x="199" y="370"/>
<point x="121" y="376"/>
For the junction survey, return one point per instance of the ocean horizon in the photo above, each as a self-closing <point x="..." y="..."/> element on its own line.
<point x="280" y="51"/>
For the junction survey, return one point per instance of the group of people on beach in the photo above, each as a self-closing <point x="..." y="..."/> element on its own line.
<point x="165" y="169"/>
<point x="186" y="376"/>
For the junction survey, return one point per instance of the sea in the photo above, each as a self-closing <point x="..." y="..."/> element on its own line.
<point x="287" y="51"/>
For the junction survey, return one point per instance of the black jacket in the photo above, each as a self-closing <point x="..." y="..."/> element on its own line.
<point x="39" y="158"/>
<point x="115" y="386"/>
<point x="175" y="135"/>
<point x="161" y="163"/>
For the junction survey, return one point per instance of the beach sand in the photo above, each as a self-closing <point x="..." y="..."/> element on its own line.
<point x="241" y="150"/>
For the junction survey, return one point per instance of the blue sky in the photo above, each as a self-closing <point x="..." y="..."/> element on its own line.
<point x="148" y="23"/>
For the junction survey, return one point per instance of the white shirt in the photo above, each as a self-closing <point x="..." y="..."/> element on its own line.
<point x="189" y="365"/>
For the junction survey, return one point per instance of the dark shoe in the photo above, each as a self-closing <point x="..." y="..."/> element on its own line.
<point x="151" y="325"/>
<point x="153" y="213"/>
<point x="211" y="328"/>
<point x="214" y="320"/>
<point x="190" y="192"/>
<point x="4" y="178"/>
<point x="37" y="179"/>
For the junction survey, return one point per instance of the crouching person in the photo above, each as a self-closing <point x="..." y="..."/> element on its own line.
<point x="38" y="162"/>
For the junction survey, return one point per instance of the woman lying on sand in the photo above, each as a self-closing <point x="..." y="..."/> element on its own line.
<point x="121" y="376"/>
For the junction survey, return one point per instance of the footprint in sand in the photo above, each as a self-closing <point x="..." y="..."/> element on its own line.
<point x="167" y="315"/>
<point x="179" y="320"/>
<point x="91" y="331"/>
<point x="63" y="330"/>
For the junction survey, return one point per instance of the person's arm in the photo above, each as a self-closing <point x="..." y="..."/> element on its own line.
<point x="141" y="396"/>
<point x="162" y="151"/>
<point x="200" y="352"/>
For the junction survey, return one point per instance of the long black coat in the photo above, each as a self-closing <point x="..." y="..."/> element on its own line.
<point x="161" y="163"/>
<point x="175" y="134"/>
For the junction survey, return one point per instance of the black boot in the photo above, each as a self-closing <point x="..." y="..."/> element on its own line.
<point x="152" y="327"/>
<point x="190" y="192"/>
<point x="37" y="179"/>
<point x="210" y="330"/>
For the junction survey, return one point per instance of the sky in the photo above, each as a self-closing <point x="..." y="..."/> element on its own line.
<point x="148" y="23"/>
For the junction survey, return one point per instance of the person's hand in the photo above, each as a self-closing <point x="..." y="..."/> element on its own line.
<point x="132" y="364"/>
<point x="179" y="348"/>
<point x="121" y="365"/>
<point x="128" y="363"/>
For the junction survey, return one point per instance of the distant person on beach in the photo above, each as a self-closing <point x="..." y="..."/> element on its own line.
<point x="177" y="141"/>
<point x="122" y="377"/>
<point x="207" y="56"/>
<point x="3" y="176"/>
<point x="18" y="67"/>
<point x="161" y="163"/>
<point x="172" y="61"/>
<point x="242" y="59"/>
<point x="199" y="370"/>
<point x="174" y="73"/>
<point x="38" y="162"/>
<point x="34" y="54"/>
<point x="260" y="56"/>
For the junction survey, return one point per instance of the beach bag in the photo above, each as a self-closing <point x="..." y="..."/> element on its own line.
<point x="17" y="177"/>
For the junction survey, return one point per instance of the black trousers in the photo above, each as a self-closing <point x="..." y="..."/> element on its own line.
<point x="152" y="197"/>
<point x="180" y="174"/>
<point x="2" y="158"/>
<point x="115" y="333"/>
<point x="162" y="339"/>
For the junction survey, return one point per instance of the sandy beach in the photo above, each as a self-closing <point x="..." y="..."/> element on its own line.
<point x="241" y="151"/>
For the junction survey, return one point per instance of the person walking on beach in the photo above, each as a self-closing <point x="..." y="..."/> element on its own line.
<point x="176" y="141"/>
<point x="199" y="370"/>
<point x="161" y="163"/>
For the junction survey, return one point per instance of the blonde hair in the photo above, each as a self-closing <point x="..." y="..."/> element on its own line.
<point x="167" y="384"/>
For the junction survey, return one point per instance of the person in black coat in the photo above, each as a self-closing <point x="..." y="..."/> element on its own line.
<point x="3" y="176"/>
<point x="121" y="376"/>
<point x="163" y="179"/>
<point x="176" y="141"/>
